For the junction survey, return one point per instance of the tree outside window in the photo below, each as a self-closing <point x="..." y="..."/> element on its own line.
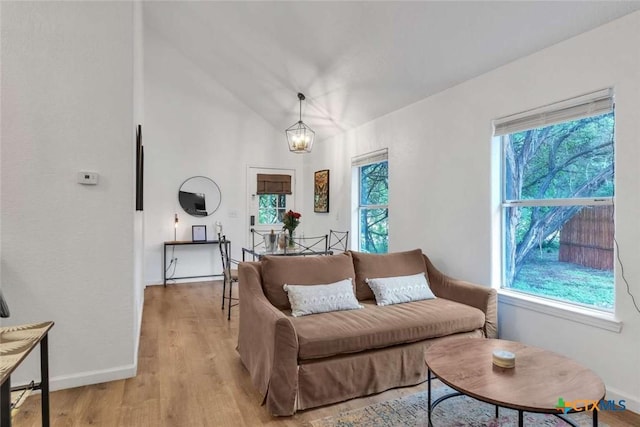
<point x="271" y="208"/>
<point x="373" y="207"/>
<point x="558" y="223"/>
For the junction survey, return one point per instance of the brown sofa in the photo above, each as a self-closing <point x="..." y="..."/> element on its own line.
<point x="309" y="361"/>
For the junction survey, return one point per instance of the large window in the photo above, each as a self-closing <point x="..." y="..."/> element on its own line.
<point x="557" y="201"/>
<point x="373" y="202"/>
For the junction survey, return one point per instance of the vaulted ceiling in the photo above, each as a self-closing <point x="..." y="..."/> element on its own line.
<point x="356" y="61"/>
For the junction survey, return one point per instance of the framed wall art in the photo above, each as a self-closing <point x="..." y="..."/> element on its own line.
<point x="198" y="233"/>
<point x="321" y="191"/>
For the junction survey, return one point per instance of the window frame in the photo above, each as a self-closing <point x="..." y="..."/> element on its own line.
<point x="577" y="311"/>
<point x="360" y="207"/>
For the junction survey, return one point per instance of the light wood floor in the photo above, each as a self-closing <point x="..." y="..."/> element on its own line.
<point x="189" y="374"/>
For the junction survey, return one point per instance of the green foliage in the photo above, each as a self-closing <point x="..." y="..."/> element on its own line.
<point x="374" y="191"/>
<point x="271" y="208"/>
<point x="374" y="184"/>
<point x="524" y="224"/>
<point x="291" y="221"/>
<point x="376" y="237"/>
<point x="543" y="275"/>
<point x="563" y="161"/>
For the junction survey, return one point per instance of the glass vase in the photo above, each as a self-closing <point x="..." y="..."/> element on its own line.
<point x="290" y="242"/>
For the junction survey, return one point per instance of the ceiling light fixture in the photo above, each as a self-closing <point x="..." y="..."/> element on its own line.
<point x="300" y="136"/>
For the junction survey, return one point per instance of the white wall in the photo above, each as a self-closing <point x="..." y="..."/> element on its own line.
<point x="194" y="126"/>
<point x="138" y="219"/>
<point x="67" y="249"/>
<point x="440" y="182"/>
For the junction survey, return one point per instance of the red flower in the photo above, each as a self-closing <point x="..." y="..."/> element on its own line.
<point x="291" y="220"/>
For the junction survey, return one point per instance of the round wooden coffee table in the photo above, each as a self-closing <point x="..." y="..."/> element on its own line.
<point x="537" y="383"/>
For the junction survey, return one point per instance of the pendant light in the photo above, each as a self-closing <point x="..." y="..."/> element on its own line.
<point x="300" y="136"/>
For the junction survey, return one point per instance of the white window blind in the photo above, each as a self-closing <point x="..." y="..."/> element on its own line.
<point x="591" y="104"/>
<point x="373" y="157"/>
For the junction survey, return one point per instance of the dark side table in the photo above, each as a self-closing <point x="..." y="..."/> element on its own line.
<point x="17" y="342"/>
<point x="174" y="243"/>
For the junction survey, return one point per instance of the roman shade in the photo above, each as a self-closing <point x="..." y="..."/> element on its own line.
<point x="273" y="184"/>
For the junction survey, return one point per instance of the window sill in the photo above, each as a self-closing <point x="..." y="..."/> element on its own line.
<point x="562" y="310"/>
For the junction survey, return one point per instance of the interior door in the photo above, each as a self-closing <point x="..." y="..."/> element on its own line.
<point x="266" y="210"/>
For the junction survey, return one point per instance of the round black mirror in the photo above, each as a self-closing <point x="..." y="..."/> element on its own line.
<point x="199" y="196"/>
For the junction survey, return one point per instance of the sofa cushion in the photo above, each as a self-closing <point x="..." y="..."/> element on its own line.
<point x="399" y="289"/>
<point x="311" y="299"/>
<point x="315" y="270"/>
<point x="369" y="266"/>
<point x="329" y="334"/>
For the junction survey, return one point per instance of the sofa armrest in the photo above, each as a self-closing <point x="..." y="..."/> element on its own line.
<point x="267" y="343"/>
<point x="480" y="297"/>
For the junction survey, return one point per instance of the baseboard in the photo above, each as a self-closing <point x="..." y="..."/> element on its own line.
<point x="632" y="404"/>
<point x="177" y="281"/>
<point x="92" y="377"/>
<point x="154" y="283"/>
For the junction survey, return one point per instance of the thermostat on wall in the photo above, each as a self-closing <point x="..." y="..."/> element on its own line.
<point x="88" y="178"/>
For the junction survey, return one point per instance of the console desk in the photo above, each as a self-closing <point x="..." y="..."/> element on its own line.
<point x="174" y="243"/>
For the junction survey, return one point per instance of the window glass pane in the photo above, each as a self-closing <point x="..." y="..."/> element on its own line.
<point x="564" y="253"/>
<point x="266" y="201"/>
<point x="268" y="216"/>
<point x="374" y="184"/>
<point x="566" y="160"/>
<point x="271" y="208"/>
<point x="374" y="230"/>
<point x="263" y="201"/>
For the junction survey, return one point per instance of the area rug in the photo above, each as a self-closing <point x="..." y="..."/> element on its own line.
<point x="459" y="411"/>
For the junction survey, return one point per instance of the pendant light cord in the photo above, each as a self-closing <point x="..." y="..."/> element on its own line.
<point x="301" y="98"/>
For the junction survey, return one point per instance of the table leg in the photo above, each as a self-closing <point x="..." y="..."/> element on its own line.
<point x="224" y="287"/>
<point x="230" y="294"/>
<point x="5" y="403"/>
<point x="497" y="415"/>
<point x="228" y="249"/>
<point x="164" y="266"/>
<point x="44" y="379"/>
<point x="429" y="389"/>
<point x="520" y="419"/>
<point x="594" y="413"/>
<point x="224" y="275"/>
<point x="429" y="394"/>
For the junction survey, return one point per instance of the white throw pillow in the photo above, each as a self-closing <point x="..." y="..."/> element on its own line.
<point x="394" y="290"/>
<point x="309" y="299"/>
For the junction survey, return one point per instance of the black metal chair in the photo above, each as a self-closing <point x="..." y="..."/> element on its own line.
<point x="317" y="245"/>
<point x="230" y="275"/>
<point x="338" y="241"/>
<point x="257" y="242"/>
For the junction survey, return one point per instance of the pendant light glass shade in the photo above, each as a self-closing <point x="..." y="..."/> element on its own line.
<point x="300" y="136"/>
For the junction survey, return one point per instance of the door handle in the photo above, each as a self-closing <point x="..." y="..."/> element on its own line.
<point x="252" y="220"/>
